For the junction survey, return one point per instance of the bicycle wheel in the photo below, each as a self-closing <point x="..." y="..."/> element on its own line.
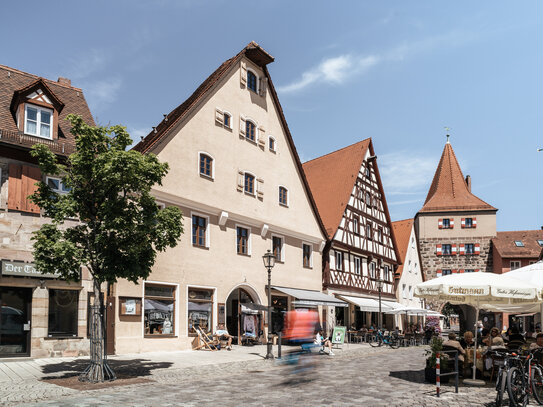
<point x="500" y="386"/>
<point x="516" y="387"/>
<point x="537" y="384"/>
<point x="376" y="341"/>
<point x="394" y="342"/>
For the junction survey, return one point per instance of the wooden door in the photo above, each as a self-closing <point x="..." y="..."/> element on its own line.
<point x="110" y="326"/>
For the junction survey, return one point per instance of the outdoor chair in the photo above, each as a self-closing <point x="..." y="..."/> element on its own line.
<point x="207" y="341"/>
<point x="419" y="339"/>
<point x="409" y="339"/>
<point x="514" y="345"/>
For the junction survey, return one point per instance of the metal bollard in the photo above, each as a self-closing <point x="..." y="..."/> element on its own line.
<point x="279" y="345"/>
<point x="438" y="379"/>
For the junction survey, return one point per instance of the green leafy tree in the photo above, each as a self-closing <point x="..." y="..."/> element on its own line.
<point x="120" y="228"/>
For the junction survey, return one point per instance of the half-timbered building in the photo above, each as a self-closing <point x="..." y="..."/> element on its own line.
<point x="360" y="250"/>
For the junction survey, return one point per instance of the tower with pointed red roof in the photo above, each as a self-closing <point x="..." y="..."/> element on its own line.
<point x="454" y="227"/>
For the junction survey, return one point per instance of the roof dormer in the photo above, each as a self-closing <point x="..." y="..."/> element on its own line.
<point x="36" y="109"/>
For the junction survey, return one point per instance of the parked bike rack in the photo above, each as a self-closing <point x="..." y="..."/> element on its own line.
<point x="439" y="374"/>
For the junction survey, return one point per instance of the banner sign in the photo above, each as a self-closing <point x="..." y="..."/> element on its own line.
<point x="338" y="336"/>
<point x="22" y="269"/>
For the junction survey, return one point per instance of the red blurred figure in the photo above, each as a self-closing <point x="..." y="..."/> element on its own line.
<point x="301" y="325"/>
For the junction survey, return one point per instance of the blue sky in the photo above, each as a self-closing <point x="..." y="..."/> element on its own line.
<point x="396" y="71"/>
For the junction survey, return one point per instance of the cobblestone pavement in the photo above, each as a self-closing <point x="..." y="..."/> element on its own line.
<point x="371" y="377"/>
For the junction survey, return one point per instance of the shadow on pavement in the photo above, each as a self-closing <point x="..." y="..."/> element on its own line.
<point x="122" y="368"/>
<point x="414" y="376"/>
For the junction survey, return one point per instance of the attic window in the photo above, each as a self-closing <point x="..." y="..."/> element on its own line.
<point x="519" y="243"/>
<point x="38" y="121"/>
<point x="540" y="242"/>
<point x="251" y="81"/>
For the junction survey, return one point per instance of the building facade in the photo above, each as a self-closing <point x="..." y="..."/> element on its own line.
<point x="360" y="248"/>
<point x="409" y="272"/>
<point x="41" y="314"/>
<point x="236" y="176"/>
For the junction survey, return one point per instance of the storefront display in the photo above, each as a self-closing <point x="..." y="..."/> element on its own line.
<point x="159" y="307"/>
<point x="200" y="310"/>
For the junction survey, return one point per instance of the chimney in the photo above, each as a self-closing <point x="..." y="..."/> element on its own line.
<point x="468" y="182"/>
<point x="64" y="81"/>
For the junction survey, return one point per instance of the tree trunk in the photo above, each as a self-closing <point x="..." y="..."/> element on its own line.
<point x="98" y="369"/>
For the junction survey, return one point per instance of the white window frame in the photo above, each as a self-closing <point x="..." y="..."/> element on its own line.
<point x="310" y="255"/>
<point x="372" y="271"/>
<point x="208" y="226"/>
<point x="356" y="220"/>
<point x="249" y="120"/>
<point x="410" y="292"/>
<point x="231" y="119"/>
<point x="340" y="253"/>
<point x="273" y="150"/>
<point x="257" y="81"/>
<point x="212" y="177"/>
<point x="359" y="272"/>
<point x="282" y="246"/>
<point x="515" y="263"/>
<point x="249" y="245"/>
<point x="386" y="272"/>
<point x="404" y="291"/>
<point x="288" y="196"/>
<point x="254" y="183"/>
<point x="58" y="191"/>
<point x="176" y="311"/>
<point x="38" y="121"/>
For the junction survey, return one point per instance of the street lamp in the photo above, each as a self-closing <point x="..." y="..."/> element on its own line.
<point x="380" y="288"/>
<point x="269" y="262"/>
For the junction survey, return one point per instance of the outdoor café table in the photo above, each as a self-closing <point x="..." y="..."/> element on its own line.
<point x="469" y="357"/>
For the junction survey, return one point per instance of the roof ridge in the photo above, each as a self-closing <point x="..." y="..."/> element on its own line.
<point x="338" y="150"/>
<point x="403" y="220"/>
<point x="520" y="231"/>
<point x="39" y="77"/>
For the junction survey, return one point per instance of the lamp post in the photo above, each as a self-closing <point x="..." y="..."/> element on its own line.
<point x="269" y="262"/>
<point x="380" y="288"/>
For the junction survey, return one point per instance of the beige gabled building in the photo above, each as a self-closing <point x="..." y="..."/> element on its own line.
<point x="236" y="176"/>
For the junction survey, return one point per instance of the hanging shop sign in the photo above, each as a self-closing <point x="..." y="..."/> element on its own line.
<point x="22" y="269"/>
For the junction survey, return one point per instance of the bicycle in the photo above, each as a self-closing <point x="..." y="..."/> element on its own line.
<point x="501" y="378"/>
<point x="379" y="339"/>
<point x="525" y="379"/>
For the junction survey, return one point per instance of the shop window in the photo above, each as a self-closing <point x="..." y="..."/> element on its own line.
<point x="307" y="255"/>
<point x="199" y="231"/>
<point x="63" y="309"/>
<point x="277" y="247"/>
<point x="446" y="272"/>
<point x="200" y="310"/>
<point x="159" y="309"/>
<point x="38" y="122"/>
<point x="242" y="240"/>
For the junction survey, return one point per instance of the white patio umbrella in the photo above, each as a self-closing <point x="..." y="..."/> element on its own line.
<point x="478" y="288"/>
<point x="530" y="274"/>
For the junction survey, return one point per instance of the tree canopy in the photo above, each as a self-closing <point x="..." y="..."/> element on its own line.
<point x="118" y="228"/>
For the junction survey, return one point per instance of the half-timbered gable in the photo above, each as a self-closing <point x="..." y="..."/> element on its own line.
<point x="349" y="195"/>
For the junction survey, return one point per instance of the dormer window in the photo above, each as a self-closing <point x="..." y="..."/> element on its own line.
<point x="251" y="81"/>
<point x="519" y="243"/>
<point x="38" y="121"/>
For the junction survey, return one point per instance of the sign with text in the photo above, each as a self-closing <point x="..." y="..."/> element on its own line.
<point x="22" y="269"/>
<point x="338" y="336"/>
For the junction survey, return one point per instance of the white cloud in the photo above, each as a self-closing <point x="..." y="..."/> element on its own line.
<point x="86" y="64"/>
<point x="335" y="70"/>
<point x="136" y="134"/>
<point x="332" y="71"/>
<point x="406" y="173"/>
<point x="101" y="93"/>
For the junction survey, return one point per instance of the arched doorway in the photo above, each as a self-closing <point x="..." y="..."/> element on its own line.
<point x="234" y="316"/>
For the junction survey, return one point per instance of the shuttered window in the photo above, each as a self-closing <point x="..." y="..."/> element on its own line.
<point x="21" y="184"/>
<point x="251" y="81"/>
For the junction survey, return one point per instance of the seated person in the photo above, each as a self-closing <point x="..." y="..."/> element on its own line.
<point x="467" y="341"/>
<point x="222" y="334"/>
<point x="483" y="339"/>
<point x="326" y="343"/>
<point x="515" y="335"/>
<point x="538" y="342"/>
<point x="453" y="343"/>
<point x="494" y="336"/>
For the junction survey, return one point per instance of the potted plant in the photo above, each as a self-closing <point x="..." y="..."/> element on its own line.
<point x="436" y="345"/>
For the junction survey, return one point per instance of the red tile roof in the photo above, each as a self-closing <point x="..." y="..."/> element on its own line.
<point x="13" y="82"/>
<point x="504" y="244"/>
<point x="259" y="56"/>
<point x="402" y="233"/>
<point x="332" y="178"/>
<point x="449" y="192"/>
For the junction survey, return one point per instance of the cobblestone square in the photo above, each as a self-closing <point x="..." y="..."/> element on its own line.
<point x="367" y="377"/>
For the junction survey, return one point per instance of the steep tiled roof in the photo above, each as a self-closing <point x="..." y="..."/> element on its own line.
<point x="332" y="178"/>
<point x="402" y="232"/>
<point x="504" y="243"/>
<point x="259" y="56"/>
<point x="449" y="192"/>
<point x="12" y="82"/>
